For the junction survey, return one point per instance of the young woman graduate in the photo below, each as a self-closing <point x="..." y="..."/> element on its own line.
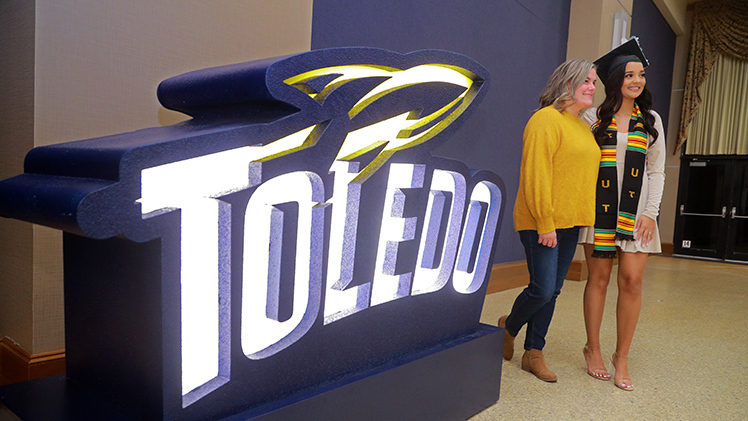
<point x="629" y="190"/>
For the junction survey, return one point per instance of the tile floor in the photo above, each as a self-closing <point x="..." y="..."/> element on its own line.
<point x="689" y="359"/>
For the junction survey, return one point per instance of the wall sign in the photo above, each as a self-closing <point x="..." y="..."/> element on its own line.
<point x="295" y="231"/>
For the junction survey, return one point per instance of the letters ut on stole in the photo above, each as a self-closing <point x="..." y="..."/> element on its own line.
<point x="301" y="195"/>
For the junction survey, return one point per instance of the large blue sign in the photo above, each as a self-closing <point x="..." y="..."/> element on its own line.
<point x="297" y="230"/>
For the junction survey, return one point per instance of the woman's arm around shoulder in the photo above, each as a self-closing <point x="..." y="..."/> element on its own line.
<point x="589" y="116"/>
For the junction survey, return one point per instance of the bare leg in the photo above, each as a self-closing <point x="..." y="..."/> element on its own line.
<point x="630" y="278"/>
<point x="594" y="305"/>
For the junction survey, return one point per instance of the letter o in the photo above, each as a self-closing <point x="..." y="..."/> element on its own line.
<point x="262" y="336"/>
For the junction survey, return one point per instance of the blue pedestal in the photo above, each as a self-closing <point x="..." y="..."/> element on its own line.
<point x="452" y="381"/>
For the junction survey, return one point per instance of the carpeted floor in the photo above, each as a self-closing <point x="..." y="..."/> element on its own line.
<point x="689" y="359"/>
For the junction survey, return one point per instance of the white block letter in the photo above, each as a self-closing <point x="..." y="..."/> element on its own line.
<point x="388" y="286"/>
<point x="262" y="334"/>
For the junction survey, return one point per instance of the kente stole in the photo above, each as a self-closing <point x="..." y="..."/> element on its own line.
<point x="614" y="220"/>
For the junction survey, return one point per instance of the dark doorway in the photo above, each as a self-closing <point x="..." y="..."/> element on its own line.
<point x="712" y="219"/>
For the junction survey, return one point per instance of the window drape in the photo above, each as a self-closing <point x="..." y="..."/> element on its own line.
<point x="720" y="27"/>
<point x="721" y="125"/>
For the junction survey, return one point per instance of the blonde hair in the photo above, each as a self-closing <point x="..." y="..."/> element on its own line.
<point x="563" y="82"/>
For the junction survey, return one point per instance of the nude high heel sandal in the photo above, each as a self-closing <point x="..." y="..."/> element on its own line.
<point x="598" y="373"/>
<point x="624" y="383"/>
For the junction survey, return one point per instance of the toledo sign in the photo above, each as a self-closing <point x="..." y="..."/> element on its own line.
<point x="296" y="232"/>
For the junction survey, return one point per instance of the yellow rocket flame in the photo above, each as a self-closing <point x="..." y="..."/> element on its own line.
<point x="396" y="133"/>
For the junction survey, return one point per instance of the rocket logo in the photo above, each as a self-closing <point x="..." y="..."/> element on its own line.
<point x="402" y="131"/>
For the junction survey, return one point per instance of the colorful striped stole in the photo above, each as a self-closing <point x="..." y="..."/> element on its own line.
<point x="615" y="213"/>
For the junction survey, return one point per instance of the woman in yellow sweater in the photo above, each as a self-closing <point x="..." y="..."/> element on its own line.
<point x="556" y="196"/>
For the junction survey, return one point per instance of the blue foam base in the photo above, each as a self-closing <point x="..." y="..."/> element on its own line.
<point x="452" y="381"/>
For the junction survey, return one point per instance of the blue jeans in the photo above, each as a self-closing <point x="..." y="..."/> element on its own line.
<point x="547" y="266"/>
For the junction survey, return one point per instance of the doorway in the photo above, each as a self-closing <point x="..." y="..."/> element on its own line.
<point x="712" y="218"/>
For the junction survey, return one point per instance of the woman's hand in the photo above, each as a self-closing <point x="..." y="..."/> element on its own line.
<point x="644" y="229"/>
<point x="548" y="239"/>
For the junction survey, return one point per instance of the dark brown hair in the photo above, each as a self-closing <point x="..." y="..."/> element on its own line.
<point x="613" y="101"/>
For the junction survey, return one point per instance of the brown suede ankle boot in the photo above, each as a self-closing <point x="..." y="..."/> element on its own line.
<point x="534" y="362"/>
<point x="508" y="339"/>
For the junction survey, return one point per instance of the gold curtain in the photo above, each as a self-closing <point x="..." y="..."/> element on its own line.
<point x="721" y="125"/>
<point x="720" y="27"/>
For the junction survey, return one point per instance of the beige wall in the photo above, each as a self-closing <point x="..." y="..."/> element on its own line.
<point x="90" y="68"/>
<point x="98" y="62"/>
<point x="591" y="30"/>
<point x="16" y="138"/>
<point x="674" y="12"/>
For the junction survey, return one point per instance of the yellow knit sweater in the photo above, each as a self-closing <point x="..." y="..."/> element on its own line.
<point x="560" y="161"/>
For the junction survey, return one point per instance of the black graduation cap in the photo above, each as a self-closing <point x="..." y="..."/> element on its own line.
<point x="624" y="53"/>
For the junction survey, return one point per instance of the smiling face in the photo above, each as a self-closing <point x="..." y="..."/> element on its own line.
<point x="634" y="80"/>
<point x="586" y="91"/>
<point x="584" y="94"/>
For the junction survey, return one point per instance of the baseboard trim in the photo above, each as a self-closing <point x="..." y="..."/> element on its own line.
<point x="511" y="275"/>
<point x="577" y="271"/>
<point x="667" y="249"/>
<point x="17" y="365"/>
<point x="508" y="275"/>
